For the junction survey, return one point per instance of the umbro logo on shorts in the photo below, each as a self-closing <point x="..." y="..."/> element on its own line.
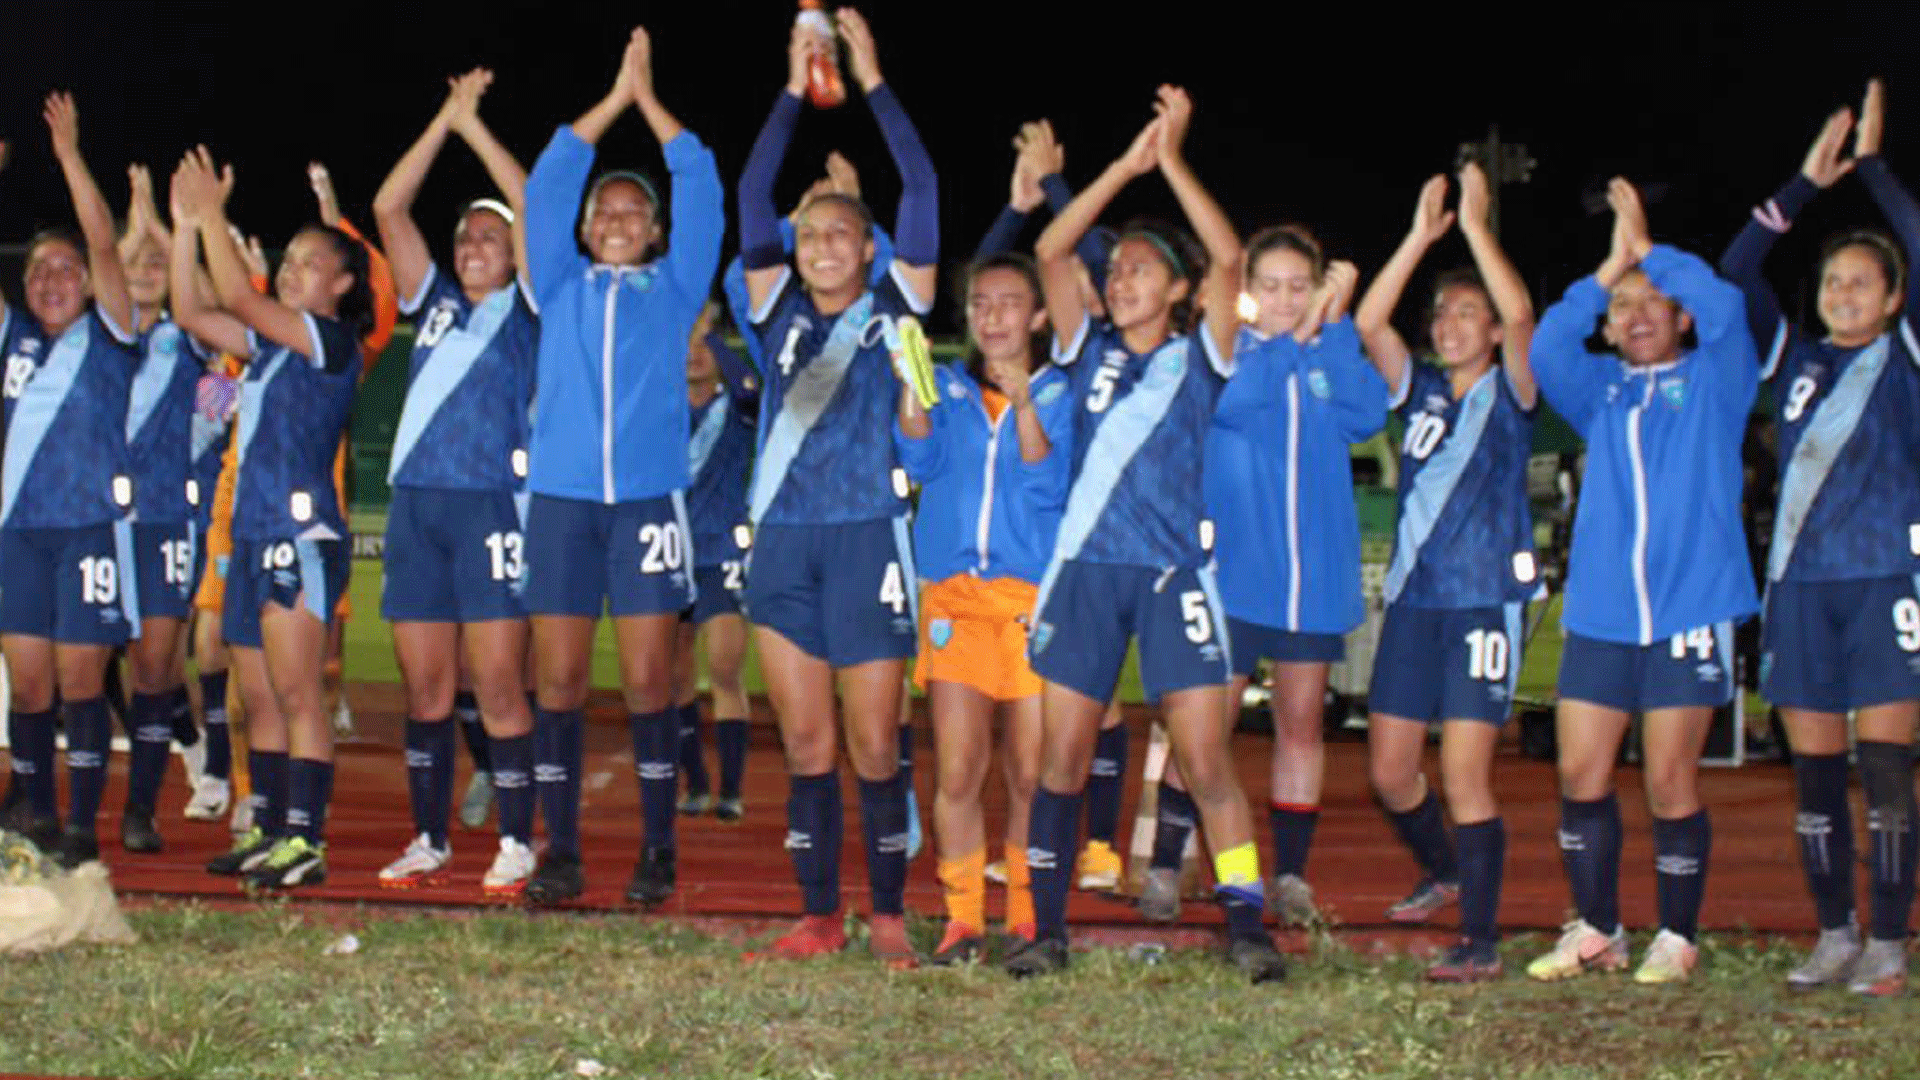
<point x="1708" y="672"/>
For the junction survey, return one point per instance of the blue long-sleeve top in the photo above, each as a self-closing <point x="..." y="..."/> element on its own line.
<point x="1093" y="249"/>
<point x="1849" y="501"/>
<point x="985" y="509"/>
<point x="1279" y="478"/>
<point x="611" y="403"/>
<point x="1658" y="546"/>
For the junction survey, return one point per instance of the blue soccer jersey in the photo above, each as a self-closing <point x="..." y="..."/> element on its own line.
<point x="1658" y="544"/>
<point x="294" y="406"/>
<point x="464" y="424"/>
<point x="1848" y="418"/>
<point x="611" y="385"/>
<point x="210" y="432"/>
<point x="160" y="408"/>
<point x="719" y="457"/>
<point x="1465" y="535"/>
<point x="826" y="408"/>
<point x="1279" y="478"/>
<point x="66" y="422"/>
<point x="1139" y="432"/>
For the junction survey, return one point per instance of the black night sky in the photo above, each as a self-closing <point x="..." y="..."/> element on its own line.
<point x="1328" y="115"/>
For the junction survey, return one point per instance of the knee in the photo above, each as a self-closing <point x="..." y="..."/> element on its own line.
<point x="809" y="748"/>
<point x="1208" y="776"/>
<point x="1296" y="726"/>
<point x="649" y="689"/>
<point x="1022" y="778"/>
<point x="1396" y="780"/>
<point x="561" y="685"/>
<point x="501" y="696"/>
<point x="875" y="753"/>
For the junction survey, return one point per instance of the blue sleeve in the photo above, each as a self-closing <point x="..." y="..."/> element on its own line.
<point x="916" y="226"/>
<point x="1002" y="234"/>
<point x="1046" y="481"/>
<point x="1719" y="310"/>
<point x="699" y="215"/>
<point x="1896" y="202"/>
<point x="1744" y="258"/>
<point x="553" y="205"/>
<point x="760" y="246"/>
<point x="883" y="253"/>
<point x="1095" y="245"/>
<point x="1359" y="393"/>
<point x="334" y="346"/>
<point x="923" y="458"/>
<point x="733" y="286"/>
<point x="1570" y="377"/>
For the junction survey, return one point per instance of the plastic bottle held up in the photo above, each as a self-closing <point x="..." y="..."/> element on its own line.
<point x="825" y="88"/>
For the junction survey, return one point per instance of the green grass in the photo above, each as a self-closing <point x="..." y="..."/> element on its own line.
<point x="249" y="994"/>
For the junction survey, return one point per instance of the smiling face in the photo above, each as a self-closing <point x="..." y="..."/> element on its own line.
<point x="58" y="285"/>
<point x="483" y="252"/>
<point x="313" y="275"/>
<point x="1003" y="314"/>
<point x="147" y="276"/>
<point x="832" y="247"/>
<point x="1856" y="299"/>
<point x="621" y="224"/>
<point x="1141" y="287"/>
<point x="1643" y="323"/>
<point x="1281" y="284"/>
<point x="1464" y="329"/>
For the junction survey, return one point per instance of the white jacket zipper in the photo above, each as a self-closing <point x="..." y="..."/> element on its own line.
<point x="606" y="389"/>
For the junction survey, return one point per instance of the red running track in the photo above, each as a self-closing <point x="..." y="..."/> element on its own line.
<point x="732" y="870"/>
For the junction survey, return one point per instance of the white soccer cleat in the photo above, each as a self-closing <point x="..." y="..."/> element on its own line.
<point x="1581" y="947"/>
<point x="211" y="798"/>
<point x="1670" y="959"/>
<point x="417" y="865"/>
<point x="510" y="870"/>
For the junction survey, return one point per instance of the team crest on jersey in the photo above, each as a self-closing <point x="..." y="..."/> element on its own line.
<point x="1166" y="365"/>
<point x="940" y="631"/>
<point x="1042" y="636"/>
<point x="1049" y="393"/>
<point x="956" y="391"/>
<point x="1674" y="391"/>
<point x="1318" y="384"/>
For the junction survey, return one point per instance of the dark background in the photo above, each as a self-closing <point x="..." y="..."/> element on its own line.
<point x="1329" y="116"/>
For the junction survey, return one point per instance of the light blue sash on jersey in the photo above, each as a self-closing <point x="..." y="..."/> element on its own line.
<point x="1129" y="423"/>
<point x="807" y="398"/>
<point x="1827" y="433"/>
<point x="707" y="435"/>
<point x="34" y="413"/>
<point x="155" y="374"/>
<point x="1428" y="495"/>
<point x="446" y="366"/>
<point x="253" y="395"/>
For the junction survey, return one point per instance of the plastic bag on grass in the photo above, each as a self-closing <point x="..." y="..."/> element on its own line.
<point x="44" y="907"/>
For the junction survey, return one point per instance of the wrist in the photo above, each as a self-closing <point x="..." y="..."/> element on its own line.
<point x="870" y="82"/>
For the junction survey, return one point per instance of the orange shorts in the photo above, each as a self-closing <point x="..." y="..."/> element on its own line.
<point x="974" y="632"/>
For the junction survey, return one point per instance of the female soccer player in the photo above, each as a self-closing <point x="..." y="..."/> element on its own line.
<point x="1130" y="558"/>
<point x="607" y="527"/>
<point x="1463" y="566"/>
<point x="66" y="542"/>
<point x="722" y="401"/>
<point x="290" y="559"/>
<point x="1843" y="617"/>
<point x="1659" y="572"/>
<point x="159" y="442"/>
<point x="831" y="585"/>
<point x="992" y="459"/>
<point x="454" y="545"/>
<point x="1279" y="486"/>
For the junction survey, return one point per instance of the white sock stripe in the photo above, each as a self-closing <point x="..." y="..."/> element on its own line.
<point x="549" y="774"/>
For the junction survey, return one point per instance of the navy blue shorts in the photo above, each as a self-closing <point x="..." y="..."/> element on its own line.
<point x="1834" y="646"/>
<point x="720" y="588"/>
<point x="165" y="563"/>
<point x="630" y="558"/>
<point x="1253" y="642"/>
<point x="1087" y="611"/>
<point x="452" y="557"/>
<point x="285" y="573"/>
<point x="1691" y="669"/>
<point x="78" y="586"/>
<point x="1436" y="664"/>
<point x="844" y="593"/>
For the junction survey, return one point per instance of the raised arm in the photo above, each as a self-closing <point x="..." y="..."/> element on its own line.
<point x="1717" y="308"/>
<point x="1220" y="291"/>
<point x="1373" y="320"/>
<point x="1503" y="283"/>
<point x="1745" y="257"/>
<point x="1023" y="198"/>
<point x="699" y="202"/>
<point x="201" y="197"/>
<point x="193" y="308"/>
<point x="559" y="176"/>
<point x="1055" y="249"/>
<point x="143" y="217"/>
<point x="1895" y="201"/>
<point x="393" y="203"/>
<point x="761" y="251"/>
<point x="109" y="275"/>
<point x="916" y="229"/>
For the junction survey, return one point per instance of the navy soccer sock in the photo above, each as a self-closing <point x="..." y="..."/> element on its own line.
<point x="430" y="777"/>
<point x="655" y="737"/>
<point x="1173" y="823"/>
<point x="1105" y="781"/>
<point x="1824" y="825"/>
<point x="813" y="839"/>
<point x="512" y="761"/>
<point x="693" y="762"/>
<point x="89" y="739"/>
<point x="1483" y="856"/>
<point x="1424" y="830"/>
<point x="1590" y="853"/>
<point x="1051" y="845"/>
<point x="557" y="760"/>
